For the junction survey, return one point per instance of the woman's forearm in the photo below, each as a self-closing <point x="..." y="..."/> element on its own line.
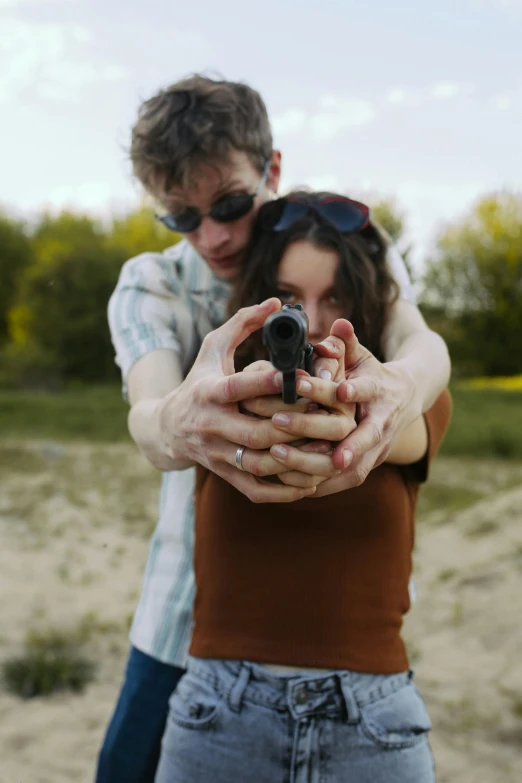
<point x="410" y="446"/>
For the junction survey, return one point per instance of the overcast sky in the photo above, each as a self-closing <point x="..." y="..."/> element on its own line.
<point x="418" y="100"/>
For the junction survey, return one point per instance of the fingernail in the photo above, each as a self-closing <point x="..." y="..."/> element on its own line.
<point x="278" y="380"/>
<point x="304" y="386"/>
<point x="279" y="451"/>
<point x="281" y="418"/>
<point x="331" y="347"/>
<point x="326" y="375"/>
<point x="350" y="391"/>
<point x="347" y="457"/>
<point x="310" y="491"/>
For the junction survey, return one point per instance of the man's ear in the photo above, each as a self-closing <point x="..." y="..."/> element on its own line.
<point x="274" y="173"/>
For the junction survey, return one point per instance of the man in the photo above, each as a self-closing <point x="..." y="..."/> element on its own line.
<point x="203" y="150"/>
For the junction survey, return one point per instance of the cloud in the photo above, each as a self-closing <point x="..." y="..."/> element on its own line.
<point x="291" y="121"/>
<point x="97" y="197"/>
<point x="339" y="114"/>
<point x="89" y="195"/>
<point x="431" y="204"/>
<point x="329" y="182"/>
<point x="503" y="102"/>
<point x="334" y="115"/>
<point x="401" y="96"/>
<point x="444" y="90"/>
<point x="54" y="60"/>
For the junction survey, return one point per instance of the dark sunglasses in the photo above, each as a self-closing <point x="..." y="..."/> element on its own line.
<point x="344" y="213"/>
<point x="225" y="210"/>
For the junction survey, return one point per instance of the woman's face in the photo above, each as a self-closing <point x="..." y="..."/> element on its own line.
<point x="306" y="276"/>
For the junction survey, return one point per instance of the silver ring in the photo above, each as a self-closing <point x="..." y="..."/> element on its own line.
<point x="239" y="457"/>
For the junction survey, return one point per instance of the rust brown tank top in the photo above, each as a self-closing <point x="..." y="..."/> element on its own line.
<point x="316" y="583"/>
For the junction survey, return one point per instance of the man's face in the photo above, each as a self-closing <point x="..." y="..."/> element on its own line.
<point x="221" y="245"/>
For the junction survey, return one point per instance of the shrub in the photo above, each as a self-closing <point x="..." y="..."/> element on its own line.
<point x="50" y="663"/>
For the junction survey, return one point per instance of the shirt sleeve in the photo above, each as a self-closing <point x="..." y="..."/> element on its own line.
<point x="144" y="309"/>
<point x="400" y="274"/>
<point x="437" y="420"/>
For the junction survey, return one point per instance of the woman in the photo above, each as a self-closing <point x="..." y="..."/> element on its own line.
<point x="297" y="669"/>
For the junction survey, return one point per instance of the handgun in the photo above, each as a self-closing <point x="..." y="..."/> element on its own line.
<point x="285" y="336"/>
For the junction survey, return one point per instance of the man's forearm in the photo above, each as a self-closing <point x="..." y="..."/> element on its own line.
<point x="145" y="429"/>
<point x="424" y="356"/>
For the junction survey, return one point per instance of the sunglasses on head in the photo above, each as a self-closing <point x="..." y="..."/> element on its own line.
<point x="344" y="213"/>
<point x="224" y="210"/>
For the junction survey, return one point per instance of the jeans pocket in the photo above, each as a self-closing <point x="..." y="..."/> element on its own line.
<point x="399" y="720"/>
<point x="195" y="704"/>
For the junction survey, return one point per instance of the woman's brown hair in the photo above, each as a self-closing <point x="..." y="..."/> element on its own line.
<point x="365" y="286"/>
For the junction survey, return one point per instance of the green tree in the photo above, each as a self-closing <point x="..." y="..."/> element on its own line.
<point x="57" y="313"/>
<point x="15" y="255"/>
<point x="60" y="310"/>
<point x="473" y="282"/>
<point x="139" y="232"/>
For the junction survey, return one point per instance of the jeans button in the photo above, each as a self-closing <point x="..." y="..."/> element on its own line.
<point x="301" y="695"/>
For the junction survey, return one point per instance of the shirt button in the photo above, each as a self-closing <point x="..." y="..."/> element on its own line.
<point x="301" y="695"/>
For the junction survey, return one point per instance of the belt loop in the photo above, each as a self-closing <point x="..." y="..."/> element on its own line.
<point x="352" y="708"/>
<point x="235" y="695"/>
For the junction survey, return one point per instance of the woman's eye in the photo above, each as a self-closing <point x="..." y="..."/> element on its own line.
<point x="334" y="299"/>
<point x="285" y="296"/>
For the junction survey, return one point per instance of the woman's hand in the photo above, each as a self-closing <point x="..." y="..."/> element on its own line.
<point x="311" y="461"/>
<point x="332" y="422"/>
<point x="319" y="420"/>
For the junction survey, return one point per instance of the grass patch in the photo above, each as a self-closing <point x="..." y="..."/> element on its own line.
<point x="516" y="555"/>
<point x="457" y="613"/>
<point x="463" y="716"/>
<point x="483" y="528"/>
<point x="446" y="574"/>
<point x="50" y="663"/>
<point x="413" y="652"/>
<point x="89" y="484"/>
<point x="90" y="627"/>
<point x="485" y="423"/>
<point x="516" y="707"/>
<point x="93" y="413"/>
<point x="19" y="460"/>
<point x="436" y="496"/>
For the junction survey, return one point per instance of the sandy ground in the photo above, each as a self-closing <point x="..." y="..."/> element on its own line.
<point x="74" y="529"/>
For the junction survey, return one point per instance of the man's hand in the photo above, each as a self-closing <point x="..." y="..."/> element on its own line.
<point x="386" y="406"/>
<point x="332" y="422"/>
<point x="315" y="468"/>
<point x="200" y="421"/>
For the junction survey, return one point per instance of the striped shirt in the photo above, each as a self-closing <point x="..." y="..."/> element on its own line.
<point x="172" y="300"/>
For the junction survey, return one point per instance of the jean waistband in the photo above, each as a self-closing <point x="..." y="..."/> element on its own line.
<point x="336" y="693"/>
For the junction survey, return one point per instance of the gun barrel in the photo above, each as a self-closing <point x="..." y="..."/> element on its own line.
<point x="285" y="335"/>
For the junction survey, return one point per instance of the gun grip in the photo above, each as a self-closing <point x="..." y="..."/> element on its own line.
<point x="309" y="359"/>
<point x="289" y="390"/>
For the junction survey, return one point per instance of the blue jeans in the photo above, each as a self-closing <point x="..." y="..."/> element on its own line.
<point x="232" y="721"/>
<point x="131" y="747"/>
